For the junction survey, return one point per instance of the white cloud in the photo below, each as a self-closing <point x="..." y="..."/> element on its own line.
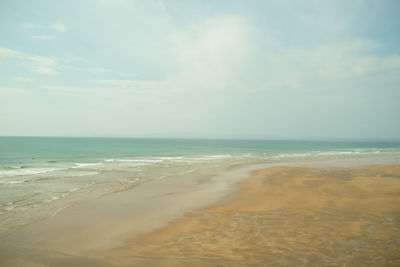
<point x="42" y="61"/>
<point x="224" y="54"/>
<point x="5" y="52"/>
<point x="8" y="91"/>
<point x="281" y="69"/>
<point x="46" y="70"/>
<point x="71" y="59"/>
<point x="213" y="52"/>
<point x="43" y="37"/>
<point x="95" y="70"/>
<point x="51" y="66"/>
<point x="130" y="84"/>
<point x="23" y="79"/>
<point x="59" y="27"/>
<point x="99" y="70"/>
<point x="161" y="5"/>
<point x="227" y="69"/>
<point x="31" y="26"/>
<point x="43" y="65"/>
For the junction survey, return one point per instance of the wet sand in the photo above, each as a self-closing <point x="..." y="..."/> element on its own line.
<point x="282" y="215"/>
<point x="290" y="216"/>
<point x="78" y="235"/>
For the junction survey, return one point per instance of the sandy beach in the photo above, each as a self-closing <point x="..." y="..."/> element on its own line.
<point x="281" y="215"/>
<point x="290" y="216"/>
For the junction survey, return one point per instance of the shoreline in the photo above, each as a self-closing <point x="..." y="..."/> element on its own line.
<point x="30" y="206"/>
<point x="80" y="232"/>
<point x="151" y="205"/>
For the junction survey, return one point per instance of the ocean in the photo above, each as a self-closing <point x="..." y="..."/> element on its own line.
<point x="39" y="176"/>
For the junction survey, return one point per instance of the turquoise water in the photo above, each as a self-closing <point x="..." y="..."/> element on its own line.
<point x="36" y="149"/>
<point x="40" y="176"/>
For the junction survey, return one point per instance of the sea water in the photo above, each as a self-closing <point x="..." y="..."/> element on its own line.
<point x="39" y="176"/>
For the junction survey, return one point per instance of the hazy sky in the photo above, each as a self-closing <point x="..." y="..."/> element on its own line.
<point x="223" y="69"/>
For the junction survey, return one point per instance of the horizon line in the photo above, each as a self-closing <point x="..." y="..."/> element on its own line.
<point x="354" y="139"/>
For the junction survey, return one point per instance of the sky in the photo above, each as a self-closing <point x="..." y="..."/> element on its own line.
<point x="200" y="69"/>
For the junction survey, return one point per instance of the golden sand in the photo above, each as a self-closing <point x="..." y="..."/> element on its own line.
<point x="290" y="216"/>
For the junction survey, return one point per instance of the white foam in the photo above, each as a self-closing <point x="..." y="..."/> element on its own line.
<point x="12" y="182"/>
<point x="294" y="155"/>
<point x="209" y="158"/>
<point x="338" y="153"/>
<point x="140" y="160"/>
<point x="26" y="171"/>
<point x="171" y="158"/>
<point x="316" y="153"/>
<point x="70" y="191"/>
<point x="16" y="167"/>
<point x="219" y="156"/>
<point x="86" y="174"/>
<point x="136" y="160"/>
<point x="82" y="165"/>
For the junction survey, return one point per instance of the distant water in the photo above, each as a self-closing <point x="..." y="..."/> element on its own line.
<point x="40" y="176"/>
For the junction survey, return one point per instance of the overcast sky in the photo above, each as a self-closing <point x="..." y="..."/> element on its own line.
<point x="209" y="69"/>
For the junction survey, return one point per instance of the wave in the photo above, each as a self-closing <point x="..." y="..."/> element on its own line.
<point x="82" y="165"/>
<point x="219" y="156"/>
<point x="114" y="163"/>
<point x="27" y="171"/>
<point x="17" y="167"/>
<point x="13" y="182"/>
<point x="338" y="153"/>
<point x="193" y="159"/>
<point x="85" y="174"/>
<point x="140" y="160"/>
<point x="333" y="153"/>
<point x="157" y="160"/>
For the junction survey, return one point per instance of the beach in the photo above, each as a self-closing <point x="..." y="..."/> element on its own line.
<point x="289" y="216"/>
<point x="199" y="133"/>
<point x="323" y="213"/>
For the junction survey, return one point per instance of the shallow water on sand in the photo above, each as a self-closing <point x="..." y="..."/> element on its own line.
<point x="41" y="176"/>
